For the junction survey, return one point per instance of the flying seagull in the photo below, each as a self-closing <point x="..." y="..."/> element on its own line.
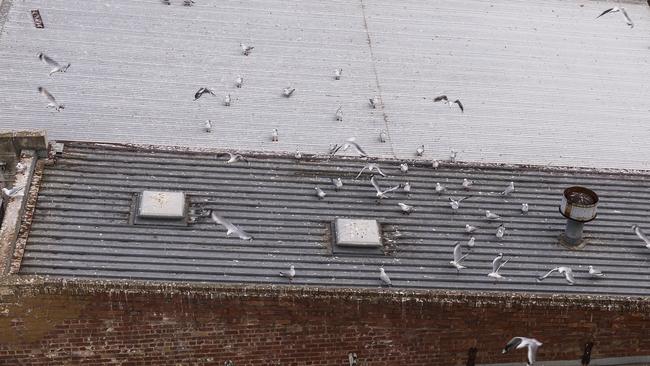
<point x="320" y="193"/>
<point x="641" y="235"/>
<point x="351" y="142"/>
<point x="497" y="263"/>
<point x="208" y="126"/>
<point x="458" y="257"/>
<point x="385" y="280"/>
<point x="13" y="192"/>
<point x="595" y="273"/>
<point x="52" y="102"/>
<point x="455" y="203"/>
<point x="520" y="342"/>
<point x="239" y="81"/>
<point x="288" y="91"/>
<point x="381" y="194"/>
<point x="232" y="229"/>
<point x="233" y="158"/>
<point x="444" y="99"/>
<point x="616" y="9"/>
<point x="337" y="73"/>
<point x="201" y="91"/>
<point x="566" y="271"/>
<point x="289" y="274"/>
<point x="371" y="167"/>
<point x="406" y="209"/>
<point x="56" y="67"/>
<point x="246" y="49"/>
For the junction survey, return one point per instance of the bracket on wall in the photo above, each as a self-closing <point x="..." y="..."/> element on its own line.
<point x="471" y="356"/>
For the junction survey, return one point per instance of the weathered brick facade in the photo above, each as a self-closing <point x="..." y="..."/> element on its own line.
<point x="54" y="323"/>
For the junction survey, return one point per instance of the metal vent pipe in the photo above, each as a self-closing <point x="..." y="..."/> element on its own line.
<point x="578" y="206"/>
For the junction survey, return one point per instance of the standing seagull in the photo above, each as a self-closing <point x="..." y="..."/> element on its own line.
<point x="467" y="183"/>
<point x="524" y="208"/>
<point x="320" y="193"/>
<point x="232" y="229"/>
<point x="439" y="188"/>
<point x="288" y="91"/>
<point x="13" y="192"/>
<point x="616" y="9"/>
<point x="227" y="100"/>
<point x="233" y="158"/>
<point x="491" y="216"/>
<point x="593" y="272"/>
<point x="501" y="230"/>
<point x="470" y="229"/>
<point x="339" y="114"/>
<point x="338" y="183"/>
<point x="458" y="257"/>
<point x="641" y="235"/>
<point x="290" y="274"/>
<point x="201" y="91"/>
<point x="566" y="271"/>
<point x="246" y="49"/>
<point x="385" y="280"/>
<point x="239" y="81"/>
<point x="52" y="102"/>
<point x="406" y="209"/>
<point x="420" y="150"/>
<point x="383" y="136"/>
<point x="208" y="126"/>
<point x="521" y="342"/>
<point x="274" y="135"/>
<point x="56" y="67"/>
<point x="509" y="189"/>
<point x="497" y="263"/>
<point x="404" y="168"/>
<point x="337" y="73"/>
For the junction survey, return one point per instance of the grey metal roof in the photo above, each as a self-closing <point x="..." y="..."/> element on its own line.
<point x="81" y="223"/>
<point x="542" y="82"/>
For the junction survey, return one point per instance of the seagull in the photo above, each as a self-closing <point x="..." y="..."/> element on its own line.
<point x="616" y="9"/>
<point x="521" y="342"/>
<point x="239" y="81"/>
<point x="441" y="98"/>
<point x="339" y="114"/>
<point x="233" y="158"/>
<point x="201" y="91"/>
<point x="568" y="274"/>
<point x="56" y="67"/>
<point x="246" y="49"/>
<point x="20" y="167"/>
<point x="444" y="99"/>
<point x="371" y="167"/>
<point x="338" y="183"/>
<point x="226" y="100"/>
<point x="491" y="216"/>
<point x="374" y="102"/>
<point x="406" y="209"/>
<point x="641" y="235"/>
<point x="381" y="194"/>
<point x="351" y="142"/>
<point x="274" y="135"/>
<point x="188" y="2"/>
<point x="509" y="189"/>
<point x="208" y="126"/>
<point x="13" y="192"/>
<point x="420" y="150"/>
<point x="290" y="274"/>
<point x="337" y="73"/>
<point x="297" y="155"/>
<point x="524" y="208"/>
<point x="452" y="155"/>
<point x="404" y="168"/>
<point x="500" y="231"/>
<point x="459" y="104"/>
<point x="385" y="280"/>
<point x="458" y="257"/>
<point x="232" y="229"/>
<point x="352" y="358"/>
<point x="435" y="164"/>
<point x="595" y="273"/>
<point x="455" y="203"/>
<point x="467" y="183"/>
<point x="470" y="242"/>
<point x="497" y="263"/>
<point x="383" y="136"/>
<point x="319" y="192"/>
<point x="288" y="91"/>
<point x="439" y="188"/>
<point x="52" y="102"/>
<point x="470" y="229"/>
<point x="406" y="187"/>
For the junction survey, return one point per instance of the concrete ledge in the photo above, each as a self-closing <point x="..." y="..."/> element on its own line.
<point x="611" y="361"/>
<point x="13" y="142"/>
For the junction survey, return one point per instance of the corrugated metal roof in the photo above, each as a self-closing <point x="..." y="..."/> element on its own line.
<point x="541" y="81"/>
<point x="81" y="223"/>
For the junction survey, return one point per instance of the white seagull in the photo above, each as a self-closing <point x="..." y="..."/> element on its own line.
<point x="288" y="91"/>
<point x="595" y="273"/>
<point x="201" y="91"/>
<point x="471" y="242"/>
<point x="320" y="193"/>
<point x="52" y="102"/>
<point x="239" y="81"/>
<point x="374" y="102"/>
<point x="406" y="209"/>
<point x="246" y="49"/>
<point x="420" y="150"/>
<point x="500" y="231"/>
<point x="455" y="203"/>
<point x="616" y="9"/>
<point x="491" y="216"/>
<point x="227" y="100"/>
<point x="371" y="167"/>
<point x="520" y="342"/>
<point x="458" y="257"/>
<point x="467" y="183"/>
<point x="208" y="126"/>
<point x="56" y="67"/>
<point x="338" y="183"/>
<point x="382" y="193"/>
<point x="509" y="189"/>
<point x="337" y="73"/>
<point x="274" y="135"/>
<point x="232" y="229"/>
<point x="13" y="192"/>
<point x="566" y="271"/>
<point x="385" y="280"/>
<point x="339" y="114"/>
<point x="497" y="263"/>
<point x="443" y="98"/>
<point x="439" y="188"/>
<point x="470" y="229"/>
<point x="641" y="235"/>
<point x="289" y="274"/>
<point x="233" y="158"/>
<point x="524" y="208"/>
<point x="383" y="136"/>
<point x="404" y="168"/>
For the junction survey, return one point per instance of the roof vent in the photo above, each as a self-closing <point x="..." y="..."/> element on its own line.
<point x="156" y="208"/>
<point x="357" y="236"/>
<point x="578" y="206"/>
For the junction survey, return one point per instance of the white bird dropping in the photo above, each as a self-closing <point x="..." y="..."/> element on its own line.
<point x="469" y="228"/>
<point x="509" y="189"/>
<point x="404" y="168"/>
<point x="383" y="136"/>
<point x="290" y="274"/>
<point x="239" y="81"/>
<point x="337" y="73"/>
<point x="524" y="208"/>
<point x="319" y="192"/>
<point x="439" y="188"/>
<point x="208" y="126"/>
<point x="385" y="280"/>
<point x="470" y="242"/>
<point x="274" y="135"/>
<point x="500" y="231"/>
<point x="339" y="114"/>
<point x="420" y="150"/>
<point x="227" y="100"/>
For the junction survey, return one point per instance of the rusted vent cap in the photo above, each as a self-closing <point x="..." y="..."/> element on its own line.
<point x="579" y="204"/>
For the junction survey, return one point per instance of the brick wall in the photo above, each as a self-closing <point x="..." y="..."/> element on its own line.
<point x="54" y="323"/>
